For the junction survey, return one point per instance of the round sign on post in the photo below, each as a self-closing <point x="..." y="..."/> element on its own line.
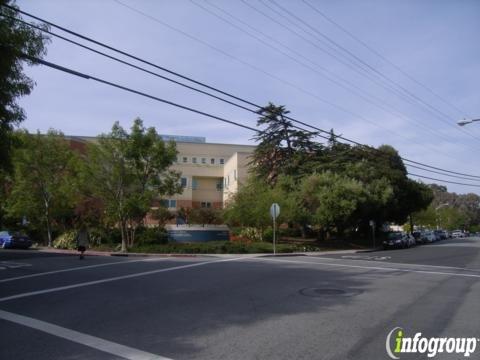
<point x="274" y="212"/>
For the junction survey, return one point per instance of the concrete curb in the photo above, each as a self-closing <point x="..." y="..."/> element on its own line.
<point x="120" y="254"/>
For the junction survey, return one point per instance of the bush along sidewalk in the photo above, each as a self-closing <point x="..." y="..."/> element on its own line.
<point x="218" y="247"/>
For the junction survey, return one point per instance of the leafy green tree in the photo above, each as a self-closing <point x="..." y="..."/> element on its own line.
<point x="287" y="192"/>
<point x="282" y="148"/>
<point x="43" y="187"/>
<point x="162" y="215"/>
<point x="16" y="38"/>
<point x="205" y="216"/>
<point x="127" y="172"/>
<point x="333" y="200"/>
<point x="250" y="206"/>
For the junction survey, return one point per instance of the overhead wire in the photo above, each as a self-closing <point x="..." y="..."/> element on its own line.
<point x="250" y="128"/>
<point x="205" y="114"/>
<point x="446" y="119"/>
<point x="379" y="103"/>
<point x="384" y="58"/>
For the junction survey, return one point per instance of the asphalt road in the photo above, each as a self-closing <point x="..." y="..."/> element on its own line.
<point x="297" y="307"/>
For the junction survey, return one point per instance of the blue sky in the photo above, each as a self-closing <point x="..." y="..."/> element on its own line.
<point x="434" y="42"/>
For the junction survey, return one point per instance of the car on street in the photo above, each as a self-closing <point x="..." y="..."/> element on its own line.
<point x="457" y="234"/>
<point x="428" y="236"/>
<point x="417" y="235"/>
<point x="398" y="240"/>
<point x="14" y="239"/>
<point x="439" y="235"/>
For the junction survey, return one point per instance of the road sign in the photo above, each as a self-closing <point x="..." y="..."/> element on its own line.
<point x="274" y="210"/>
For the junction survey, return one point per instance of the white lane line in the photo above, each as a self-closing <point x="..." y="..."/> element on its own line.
<point x="110" y="347"/>
<point x="116" y="278"/>
<point x="371" y="268"/>
<point x="71" y="269"/>
<point x="403" y="264"/>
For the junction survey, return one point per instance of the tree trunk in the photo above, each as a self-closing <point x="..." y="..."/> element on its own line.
<point x="303" y="231"/>
<point x="124" y="235"/>
<point x="47" y="220"/>
<point x="49" y="233"/>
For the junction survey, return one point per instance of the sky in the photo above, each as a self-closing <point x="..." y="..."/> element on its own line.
<point x="393" y="72"/>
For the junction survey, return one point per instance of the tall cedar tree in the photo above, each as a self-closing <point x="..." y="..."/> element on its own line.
<point x="282" y="148"/>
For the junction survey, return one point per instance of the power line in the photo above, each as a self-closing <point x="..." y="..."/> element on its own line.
<point x="350" y="87"/>
<point x="90" y="77"/>
<point x="445" y="181"/>
<point x="215" y="48"/>
<point x="256" y="68"/>
<point x="371" y="68"/>
<point x="258" y="106"/>
<point x="353" y="36"/>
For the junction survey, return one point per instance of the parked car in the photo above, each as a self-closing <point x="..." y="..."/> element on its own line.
<point x="428" y="236"/>
<point x="417" y="235"/>
<point x="439" y="235"/>
<point x="14" y="239"/>
<point x="399" y="240"/>
<point x="457" y="234"/>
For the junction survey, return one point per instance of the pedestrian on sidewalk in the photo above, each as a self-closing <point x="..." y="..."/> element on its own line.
<point x="82" y="240"/>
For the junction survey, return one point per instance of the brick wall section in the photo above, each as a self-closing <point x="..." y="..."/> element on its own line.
<point x="187" y="204"/>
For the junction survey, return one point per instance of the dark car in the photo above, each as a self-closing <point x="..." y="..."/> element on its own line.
<point x="440" y="235"/>
<point x="14" y="239"/>
<point x="397" y="239"/>
<point x="417" y="235"/>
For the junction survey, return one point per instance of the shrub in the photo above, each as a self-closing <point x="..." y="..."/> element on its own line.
<point x="251" y="234"/>
<point x="66" y="240"/>
<point x="268" y="235"/>
<point x="146" y="236"/>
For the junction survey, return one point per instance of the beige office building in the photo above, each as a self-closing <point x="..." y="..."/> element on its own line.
<point x="210" y="172"/>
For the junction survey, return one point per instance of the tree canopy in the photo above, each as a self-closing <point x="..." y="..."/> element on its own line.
<point x="127" y="171"/>
<point x="334" y="186"/>
<point x="16" y="38"/>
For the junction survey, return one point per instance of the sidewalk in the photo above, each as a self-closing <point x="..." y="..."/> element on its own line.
<point x="113" y="253"/>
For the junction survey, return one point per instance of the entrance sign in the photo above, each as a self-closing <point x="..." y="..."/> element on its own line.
<point x="274" y="212"/>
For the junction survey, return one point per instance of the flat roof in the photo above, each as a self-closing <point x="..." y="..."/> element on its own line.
<point x="165" y="138"/>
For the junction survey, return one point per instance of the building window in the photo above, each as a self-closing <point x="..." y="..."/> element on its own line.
<point x="212" y="161"/>
<point x="222" y="161"/>
<point x="206" y="204"/>
<point x="169" y="203"/>
<point x="194" y="184"/>
<point x="183" y="182"/>
<point x="194" y="160"/>
<point x="204" y="161"/>
<point x="219" y="185"/>
<point x="185" y="159"/>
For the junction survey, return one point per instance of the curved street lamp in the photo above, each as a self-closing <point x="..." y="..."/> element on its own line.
<point x="465" y="122"/>
<point x="436" y="213"/>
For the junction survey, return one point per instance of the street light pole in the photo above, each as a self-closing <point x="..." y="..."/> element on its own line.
<point x="436" y="212"/>
<point x="465" y="122"/>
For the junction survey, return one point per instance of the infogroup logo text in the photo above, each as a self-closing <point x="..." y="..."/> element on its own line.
<point x="430" y="346"/>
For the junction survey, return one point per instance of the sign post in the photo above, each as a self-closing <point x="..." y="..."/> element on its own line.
<point x="274" y="212"/>
<point x="372" y="224"/>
